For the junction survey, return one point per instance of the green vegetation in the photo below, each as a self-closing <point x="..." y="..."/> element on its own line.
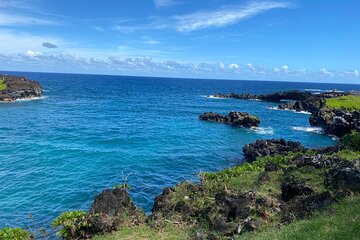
<point x="2" y="85"/>
<point x="342" y="221"/>
<point x="14" y="234"/>
<point x="68" y="222"/>
<point x="169" y="232"/>
<point x="349" y="102"/>
<point x="352" y="141"/>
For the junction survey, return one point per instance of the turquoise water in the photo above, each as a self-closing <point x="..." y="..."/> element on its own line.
<point x="58" y="152"/>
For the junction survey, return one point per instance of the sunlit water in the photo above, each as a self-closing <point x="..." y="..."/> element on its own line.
<point x="58" y="152"/>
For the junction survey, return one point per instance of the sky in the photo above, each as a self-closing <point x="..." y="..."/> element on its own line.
<point x="286" y="40"/>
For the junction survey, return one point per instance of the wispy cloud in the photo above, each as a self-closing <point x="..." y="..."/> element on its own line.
<point x="165" y="3"/>
<point x="14" y="19"/>
<point x="225" y="16"/>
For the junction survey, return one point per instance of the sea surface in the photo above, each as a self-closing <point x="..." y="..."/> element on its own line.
<point x="59" y="151"/>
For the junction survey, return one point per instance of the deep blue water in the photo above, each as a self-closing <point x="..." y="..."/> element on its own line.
<point x="58" y="152"/>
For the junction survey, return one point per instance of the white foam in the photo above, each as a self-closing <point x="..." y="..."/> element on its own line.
<point x="31" y="99"/>
<point x="322" y="90"/>
<point x="308" y="129"/>
<point x="286" y="109"/>
<point x="213" y="97"/>
<point x="263" y="130"/>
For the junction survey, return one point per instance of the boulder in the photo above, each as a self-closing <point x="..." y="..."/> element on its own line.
<point x="345" y="175"/>
<point x="262" y="148"/>
<point x="111" y="209"/>
<point x="291" y="188"/>
<point x="241" y="119"/>
<point x="304" y="206"/>
<point x="19" y="88"/>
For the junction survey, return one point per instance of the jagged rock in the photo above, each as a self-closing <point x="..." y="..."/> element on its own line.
<point x="19" y="88"/>
<point x="318" y="161"/>
<point x="111" y="209"/>
<point x="291" y="188"/>
<point x="336" y="122"/>
<point x="303" y="206"/>
<point x="272" y="147"/>
<point x="344" y="175"/>
<point x="233" y="118"/>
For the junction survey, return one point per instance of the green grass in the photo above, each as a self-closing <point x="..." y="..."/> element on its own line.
<point x="341" y="221"/>
<point x="349" y="102"/>
<point x="140" y="232"/>
<point x="2" y="85"/>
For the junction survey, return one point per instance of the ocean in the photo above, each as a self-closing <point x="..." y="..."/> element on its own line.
<point x="59" y="151"/>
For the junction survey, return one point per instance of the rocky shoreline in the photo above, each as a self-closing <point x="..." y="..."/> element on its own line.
<point x="16" y="88"/>
<point x="280" y="182"/>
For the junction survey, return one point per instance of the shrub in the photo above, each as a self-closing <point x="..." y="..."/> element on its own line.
<point x="14" y="234"/>
<point x="352" y="141"/>
<point x="2" y="85"/>
<point x="71" y="224"/>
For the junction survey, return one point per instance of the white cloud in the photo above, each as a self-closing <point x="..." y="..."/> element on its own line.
<point x="352" y="73"/>
<point x="285" y="68"/>
<point x="32" y="54"/>
<point x="326" y="72"/>
<point x="152" y="42"/>
<point x="225" y="16"/>
<point x="250" y="66"/>
<point x="234" y="66"/>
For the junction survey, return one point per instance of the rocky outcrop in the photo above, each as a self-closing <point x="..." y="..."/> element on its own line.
<point x="291" y="188"/>
<point x="336" y="122"/>
<point x="19" y="88"/>
<point x="262" y="148"/>
<point x="345" y="175"/>
<point x="241" y="119"/>
<point x="111" y="209"/>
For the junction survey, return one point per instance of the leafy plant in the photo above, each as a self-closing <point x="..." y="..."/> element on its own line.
<point x="352" y="141"/>
<point x="124" y="185"/>
<point x="71" y="224"/>
<point x="2" y="84"/>
<point x="14" y="234"/>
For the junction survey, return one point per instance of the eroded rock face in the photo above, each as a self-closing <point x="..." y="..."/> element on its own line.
<point x="336" y="122"/>
<point x="19" y="88"/>
<point x="262" y="148"/>
<point x="111" y="209"/>
<point x="241" y="119"/>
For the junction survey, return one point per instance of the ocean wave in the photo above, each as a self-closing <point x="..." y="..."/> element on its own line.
<point x="31" y="99"/>
<point x="286" y="109"/>
<point x="308" y="129"/>
<point x="263" y="130"/>
<point x="322" y="90"/>
<point x="213" y="97"/>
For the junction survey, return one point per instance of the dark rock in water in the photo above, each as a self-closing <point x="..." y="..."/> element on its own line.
<point x="19" y="88"/>
<point x="111" y="209"/>
<point x="310" y="104"/>
<point x="336" y="122"/>
<point x="304" y="206"/>
<point x="262" y="148"/>
<point x="291" y="188"/>
<point x="233" y="118"/>
<point x="344" y="175"/>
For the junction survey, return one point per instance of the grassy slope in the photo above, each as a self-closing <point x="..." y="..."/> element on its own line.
<point x="144" y="232"/>
<point x="342" y="221"/>
<point x="244" y="178"/>
<point x="350" y="102"/>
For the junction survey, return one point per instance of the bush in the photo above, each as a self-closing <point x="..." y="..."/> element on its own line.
<point x="352" y="141"/>
<point x="14" y="234"/>
<point x="2" y="85"/>
<point x="72" y="224"/>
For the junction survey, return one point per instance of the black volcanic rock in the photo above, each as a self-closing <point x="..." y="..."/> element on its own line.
<point x="336" y="122"/>
<point x="19" y="88"/>
<point x="110" y="210"/>
<point x="233" y="118"/>
<point x="262" y="148"/>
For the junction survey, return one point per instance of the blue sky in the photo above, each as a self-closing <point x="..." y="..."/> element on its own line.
<point x="294" y="40"/>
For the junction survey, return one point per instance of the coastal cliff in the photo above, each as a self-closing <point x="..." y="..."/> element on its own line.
<point x="13" y="88"/>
